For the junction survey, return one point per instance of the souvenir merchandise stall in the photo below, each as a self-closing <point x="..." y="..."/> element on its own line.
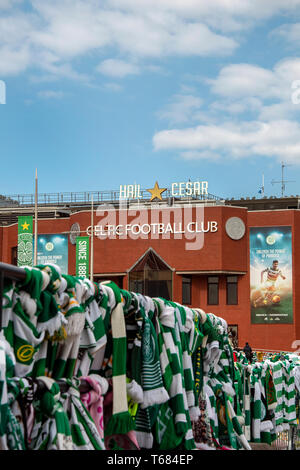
<point x="90" y="366"/>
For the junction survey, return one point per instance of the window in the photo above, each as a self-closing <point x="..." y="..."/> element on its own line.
<point x="14" y="255"/>
<point x="232" y="290"/>
<point x="233" y="335"/>
<point x="186" y="290"/>
<point x="212" y="290"/>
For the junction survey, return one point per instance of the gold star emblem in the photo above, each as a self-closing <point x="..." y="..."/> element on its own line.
<point x="25" y="226"/>
<point x="156" y="192"/>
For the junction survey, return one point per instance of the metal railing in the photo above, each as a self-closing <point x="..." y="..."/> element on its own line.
<point x="62" y="198"/>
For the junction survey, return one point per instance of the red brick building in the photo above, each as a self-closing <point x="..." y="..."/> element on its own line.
<point x="163" y="252"/>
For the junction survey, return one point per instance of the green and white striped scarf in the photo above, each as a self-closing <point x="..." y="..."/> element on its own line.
<point x="121" y="421"/>
<point x="51" y="430"/>
<point x="154" y="392"/>
<point x="93" y="337"/>
<point x="247" y="400"/>
<point x="172" y="370"/>
<point x="289" y="397"/>
<point x="67" y="350"/>
<point x="185" y="323"/>
<point x="7" y="361"/>
<point x="22" y="336"/>
<point x="277" y="369"/>
<point x="85" y="435"/>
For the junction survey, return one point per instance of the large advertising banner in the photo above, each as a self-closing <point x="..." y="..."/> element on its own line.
<point x="53" y="248"/>
<point x="271" y="275"/>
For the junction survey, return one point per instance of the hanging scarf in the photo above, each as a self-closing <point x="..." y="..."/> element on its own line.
<point x="67" y="350"/>
<point x="84" y="432"/>
<point x="51" y="429"/>
<point x="121" y="421"/>
<point x="154" y="392"/>
<point x="173" y="374"/>
<point x="8" y="424"/>
<point x="122" y="441"/>
<point x="20" y="331"/>
<point x="289" y="397"/>
<point x="93" y="337"/>
<point x="93" y="401"/>
<point x="201" y="427"/>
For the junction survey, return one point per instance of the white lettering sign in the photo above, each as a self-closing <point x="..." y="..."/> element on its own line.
<point x="198" y="188"/>
<point x="181" y="189"/>
<point x="155" y="228"/>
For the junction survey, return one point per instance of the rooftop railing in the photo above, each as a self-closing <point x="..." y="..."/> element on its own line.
<point x="86" y="197"/>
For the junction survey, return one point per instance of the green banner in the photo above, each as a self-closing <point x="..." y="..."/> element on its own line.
<point x="25" y="240"/>
<point x="82" y="256"/>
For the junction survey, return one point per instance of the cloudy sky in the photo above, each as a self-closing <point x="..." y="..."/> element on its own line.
<point x="107" y="92"/>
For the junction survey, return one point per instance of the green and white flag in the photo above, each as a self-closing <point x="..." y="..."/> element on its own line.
<point x="82" y="256"/>
<point x="25" y="240"/>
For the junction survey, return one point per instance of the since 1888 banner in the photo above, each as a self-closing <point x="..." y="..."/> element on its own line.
<point x="271" y="275"/>
<point x="82" y="256"/>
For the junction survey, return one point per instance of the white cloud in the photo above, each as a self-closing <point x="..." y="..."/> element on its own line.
<point x="244" y="80"/>
<point x="203" y="155"/>
<point x="181" y="109"/>
<point x="50" y="94"/>
<point x="114" y="87"/>
<point x="290" y="32"/>
<point x="247" y="80"/>
<point x="68" y="29"/>
<point x="279" y="139"/>
<point x="8" y="4"/>
<point x="14" y="60"/>
<point x="57" y="32"/>
<point x="117" y="68"/>
<point x="237" y="106"/>
<point x="248" y="88"/>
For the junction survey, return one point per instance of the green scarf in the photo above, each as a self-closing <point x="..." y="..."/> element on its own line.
<point x="84" y="433"/>
<point x="51" y="430"/>
<point x="121" y="421"/>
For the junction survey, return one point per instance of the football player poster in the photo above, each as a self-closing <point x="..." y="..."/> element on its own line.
<point x="271" y="290"/>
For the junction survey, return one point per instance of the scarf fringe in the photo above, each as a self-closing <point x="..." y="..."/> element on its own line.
<point x="135" y="392"/>
<point x="156" y="396"/>
<point x="145" y="439"/>
<point x="76" y="323"/>
<point x="266" y="426"/>
<point x="119" y="423"/>
<point x="194" y="412"/>
<point x="272" y="406"/>
<point x="52" y="325"/>
<point x="202" y="446"/>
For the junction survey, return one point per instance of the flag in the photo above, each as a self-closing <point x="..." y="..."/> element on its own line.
<point x="25" y="239"/>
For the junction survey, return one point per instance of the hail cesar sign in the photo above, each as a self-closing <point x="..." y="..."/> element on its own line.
<point x="180" y="189"/>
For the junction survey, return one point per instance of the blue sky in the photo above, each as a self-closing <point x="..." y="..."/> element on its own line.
<point x="103" y="93"/>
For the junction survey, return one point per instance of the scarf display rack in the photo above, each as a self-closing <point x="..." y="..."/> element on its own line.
<point x="90" y="366"/>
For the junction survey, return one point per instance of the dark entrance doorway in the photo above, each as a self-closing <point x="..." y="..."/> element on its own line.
<point x="151" y="276"/>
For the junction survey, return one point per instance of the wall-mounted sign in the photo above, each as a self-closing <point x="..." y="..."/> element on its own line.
<point x="154" y="228"/>
<point x="271" y="275"/>
<point x="82" y="256"/>
<point x="235" y="228"/>
<point x="180" y="189"/>
<point x="74" y="233"/>
<point x="53" y="248"/>
<point x="197" y="188"/>
<point x="25" y="241"/>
